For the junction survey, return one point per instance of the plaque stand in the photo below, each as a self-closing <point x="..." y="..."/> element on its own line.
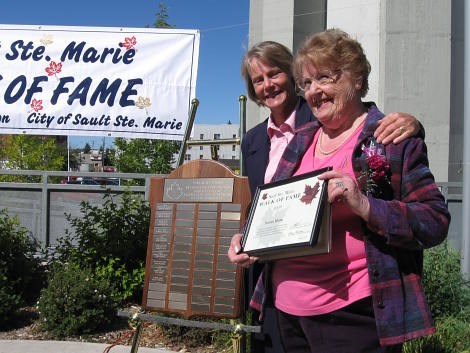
<point x="195" y="211"/>
<point x="224" y="300"/>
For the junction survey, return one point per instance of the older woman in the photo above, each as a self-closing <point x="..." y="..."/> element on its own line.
<point x="267" y="71"/>
<point x="366" y="294"/>
<point x="269" y="79"/>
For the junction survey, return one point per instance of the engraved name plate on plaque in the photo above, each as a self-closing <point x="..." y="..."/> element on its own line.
<point x="195" y="212"/>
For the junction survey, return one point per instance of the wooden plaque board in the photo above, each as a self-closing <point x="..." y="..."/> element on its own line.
<point x="195" y="211"/>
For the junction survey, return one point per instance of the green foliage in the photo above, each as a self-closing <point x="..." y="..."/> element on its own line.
<point x="128" y="284"/>
<point x="76" y="301"/>
<point x="454" y="332"/>
<point x="27" y="152"/>
<point x="21" y="275"/>
<point x="448" y="295"/>
<point x="112" y="240"/>
<point x="87" y="148"/>
<point x="452" y="336"/>
<point x="446" y="290"/>
<point x="10" y="302"/>
<point x="72" y="161"/>
<point x="144" y="156"/>
<point x="162" y="17"/>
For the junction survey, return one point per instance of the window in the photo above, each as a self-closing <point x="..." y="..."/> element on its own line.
<point x="233" y="147"/>
<point x="201" y="148"/>
<point x="201" y="156"/>
<point x="216" y="136"/>
<point x="187" y="157"/>
<point x="189" y="147"/>
<point x="234" y="136"/>
<point x="201" y="136"/>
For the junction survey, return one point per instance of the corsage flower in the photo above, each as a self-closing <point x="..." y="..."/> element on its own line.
<point x="377" y="170"/>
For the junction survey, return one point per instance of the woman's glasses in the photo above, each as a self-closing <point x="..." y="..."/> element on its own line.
<point x="323" y="79"/>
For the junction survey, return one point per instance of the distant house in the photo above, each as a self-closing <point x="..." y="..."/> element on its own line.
<point x="91" y="162"/>
<point x="228" y="154"/>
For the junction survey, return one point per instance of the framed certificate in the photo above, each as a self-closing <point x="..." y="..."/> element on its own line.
<point x="289" y="218"/>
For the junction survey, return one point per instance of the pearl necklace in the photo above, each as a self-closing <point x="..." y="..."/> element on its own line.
<point x="353" y="129"/>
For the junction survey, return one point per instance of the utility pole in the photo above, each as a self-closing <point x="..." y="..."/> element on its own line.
<point x="465" y="266"/>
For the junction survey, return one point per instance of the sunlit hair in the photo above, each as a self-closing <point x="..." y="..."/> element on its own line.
<point x="334" y="50"/>
<point x="270" y="53"/>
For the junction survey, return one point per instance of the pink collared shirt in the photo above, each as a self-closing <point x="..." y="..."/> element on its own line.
<point x="280" y="138"/>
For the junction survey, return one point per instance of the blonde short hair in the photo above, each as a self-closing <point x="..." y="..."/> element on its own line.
<point x="271" y="53"/>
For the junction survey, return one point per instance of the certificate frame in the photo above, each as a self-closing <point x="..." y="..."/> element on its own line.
<point x="289" y="218"/>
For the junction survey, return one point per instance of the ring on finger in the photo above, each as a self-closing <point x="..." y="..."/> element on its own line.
<point x="401" y="130"/>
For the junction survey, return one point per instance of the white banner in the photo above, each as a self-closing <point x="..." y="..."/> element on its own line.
<point x="120" y="82"/>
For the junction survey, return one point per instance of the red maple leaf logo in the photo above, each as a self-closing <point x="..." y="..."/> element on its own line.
<point x="129" y="43"/>
<point x="265" y="196"/>
<point x="36" y="105"/>
<point x="54" y="68"/>
<point x="310" y="193"/>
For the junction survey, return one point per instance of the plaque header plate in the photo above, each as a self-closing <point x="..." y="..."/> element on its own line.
<point x="198" y="190"/>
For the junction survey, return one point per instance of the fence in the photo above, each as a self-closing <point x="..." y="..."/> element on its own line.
<point x="41" y="206"/>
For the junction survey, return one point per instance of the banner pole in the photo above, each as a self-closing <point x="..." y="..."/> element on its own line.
<point x="187" y="133"/>
<point x="242" y="112"/>
<point x="68" y="157"/>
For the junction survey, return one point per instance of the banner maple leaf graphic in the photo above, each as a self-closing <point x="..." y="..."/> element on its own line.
<point x="36" y="105"/>
<point x="129" y="43"/>
<point x="54" y="68"/>
<point x="310" y="193"/>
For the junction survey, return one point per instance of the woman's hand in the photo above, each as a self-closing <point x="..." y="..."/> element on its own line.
<point x="395" y="127"/>
<point x="234" y="255"/>
<point x="343" y="188"/>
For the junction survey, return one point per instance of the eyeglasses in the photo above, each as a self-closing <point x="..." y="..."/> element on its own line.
<point x="323" y="79"/>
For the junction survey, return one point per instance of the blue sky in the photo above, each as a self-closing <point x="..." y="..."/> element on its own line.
<point x="223" y="25"/>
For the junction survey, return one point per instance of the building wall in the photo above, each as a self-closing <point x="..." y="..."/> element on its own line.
<point x="409" y="44"/>
<point x="410" y="61"/>
<point x="416" y="70"/>
<point x="286" y="22"/>
<point x="457" y="92"/>
<point x="361" y="19"/>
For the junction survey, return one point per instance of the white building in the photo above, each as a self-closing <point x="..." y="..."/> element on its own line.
<point x="209" y="132"/>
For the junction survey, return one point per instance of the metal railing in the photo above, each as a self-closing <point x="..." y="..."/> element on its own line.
<point x="41" y="206"/>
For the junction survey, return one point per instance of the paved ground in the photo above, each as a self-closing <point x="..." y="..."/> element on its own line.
<point x="31" y="346"/>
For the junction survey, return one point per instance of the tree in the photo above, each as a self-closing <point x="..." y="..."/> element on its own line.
<point x="107" y="157"/>
<point x="33" y="153"/>
<point x="73" y="162"/>
<point x="26" y="152"/>
<point x="145" y="155"/>
<point x="162" y="17"/>
<point x="87" y="148"/>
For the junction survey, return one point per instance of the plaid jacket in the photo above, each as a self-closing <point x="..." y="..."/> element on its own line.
<point x="414" y="217"/>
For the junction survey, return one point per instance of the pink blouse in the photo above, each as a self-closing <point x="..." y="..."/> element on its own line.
<point x="319" y="284"/>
